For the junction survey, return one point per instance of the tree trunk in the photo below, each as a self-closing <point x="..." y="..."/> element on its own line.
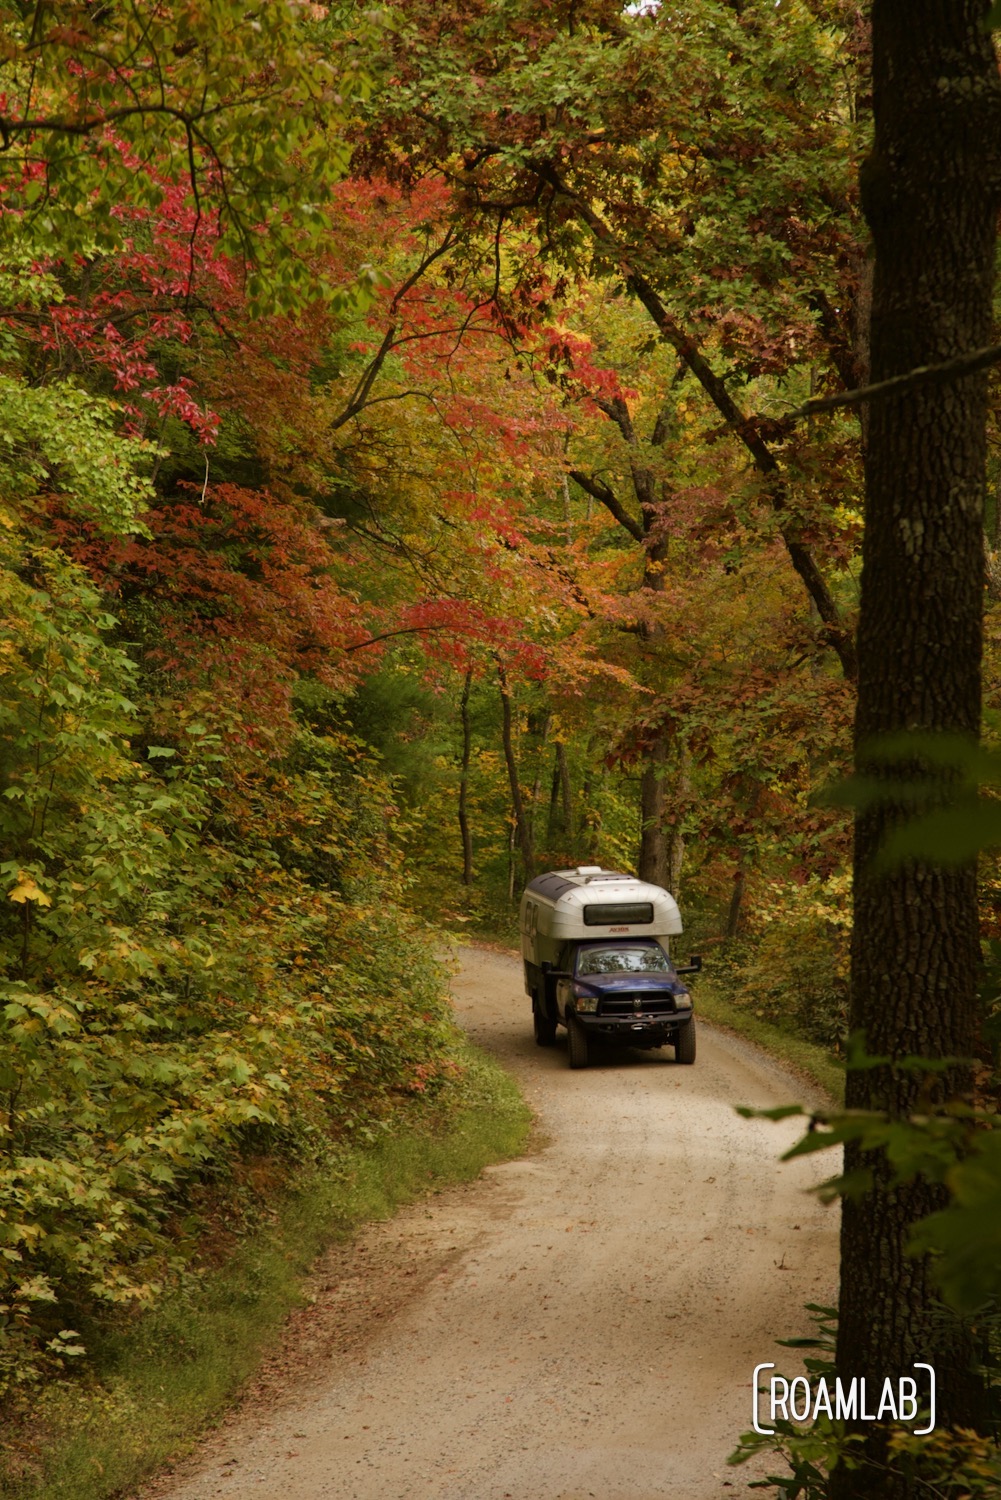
<point x="533" y="801"/>
<point x="735" y="908"/>
<point x="553" y="820"/>
<point x="522" y="830"/>
<point x="467" y="838"/>
<point x="930" y="196"/>
<point x="559" y="829"/>
<point x="735" y="912"/>
<point x="676" y="840"/>
<point x="653" y="857"/>
<point x="566" y="795"/>
<point x="590" y="817"/>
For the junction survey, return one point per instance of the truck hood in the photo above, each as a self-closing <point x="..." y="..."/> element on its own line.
<point x="633" y="984"/>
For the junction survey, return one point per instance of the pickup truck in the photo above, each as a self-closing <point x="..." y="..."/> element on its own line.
<point x="618" y="990"/>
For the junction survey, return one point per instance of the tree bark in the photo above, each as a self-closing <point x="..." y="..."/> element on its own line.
<point x="522" y="830"/>
<point x="559" y="829"/>
<point x="467" y="838"/>
<point x="735" y="909"/>
<point x="930" y="194"/>
<point x="653" y="856"/>
<point x="552" y="822"/>
<point x="566" y="795"/>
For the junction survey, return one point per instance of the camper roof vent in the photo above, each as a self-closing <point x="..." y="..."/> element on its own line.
<point x="588" y="870"/>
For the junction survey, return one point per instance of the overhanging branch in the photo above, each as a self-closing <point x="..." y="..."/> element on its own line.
<point x="750" y="430"/>
<point x="948" y="369"/>
<point x="606" y="497"/>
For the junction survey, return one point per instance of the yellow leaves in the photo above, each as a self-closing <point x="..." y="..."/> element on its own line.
<point x="28" y="889"/>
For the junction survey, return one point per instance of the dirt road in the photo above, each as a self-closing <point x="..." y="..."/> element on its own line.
<point x="582" y="1323"/>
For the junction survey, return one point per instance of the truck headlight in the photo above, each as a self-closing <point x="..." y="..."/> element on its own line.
<point x="587" y="1004"/>
<point x="683" y="1000"/>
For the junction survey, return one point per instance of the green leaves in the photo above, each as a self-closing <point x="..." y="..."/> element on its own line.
<point x="181" y="977"/>
<point x="966" y="1237"/>
<point x="958" y="1146"/>
<point x="937" y="793"/>
<point x="245" y="105"/>
<point x="62" y="438"/>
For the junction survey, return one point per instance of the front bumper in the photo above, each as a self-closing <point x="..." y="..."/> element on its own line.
<point x="635" y="1030"/>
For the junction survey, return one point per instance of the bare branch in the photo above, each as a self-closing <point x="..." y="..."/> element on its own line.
<point x="404" y="630"/>
<point x="360" y="395"/>
<point x="600" y="491"/>
<point x="948" y="369"/>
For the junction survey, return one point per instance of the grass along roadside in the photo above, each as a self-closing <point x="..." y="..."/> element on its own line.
<point x="154" y="1387"/>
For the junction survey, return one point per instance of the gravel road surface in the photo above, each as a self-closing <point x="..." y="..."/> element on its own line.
<point x="578" y="1325"/>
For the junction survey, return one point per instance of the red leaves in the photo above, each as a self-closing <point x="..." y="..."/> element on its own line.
<point x="118" y="311"/>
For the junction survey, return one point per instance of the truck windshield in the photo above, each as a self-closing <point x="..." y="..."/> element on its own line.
<point x="623" y="961"/>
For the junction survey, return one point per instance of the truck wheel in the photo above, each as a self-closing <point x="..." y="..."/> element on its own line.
<point x="576" y="1043"/>
<point x="545" y="1029"/>
<point x="684" y="1042"/>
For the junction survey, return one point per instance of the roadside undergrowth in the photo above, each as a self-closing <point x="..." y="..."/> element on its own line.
<point x="156" y="1380"/>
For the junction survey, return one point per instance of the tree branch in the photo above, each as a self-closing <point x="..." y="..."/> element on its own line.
<point x="747" y="429"/>
<point x="404" y="630"/>
<point x="948" y="369"/>
<point x="606" y="497"/>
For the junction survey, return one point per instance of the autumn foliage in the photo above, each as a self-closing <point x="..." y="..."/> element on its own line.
<point x="398" y="493"/>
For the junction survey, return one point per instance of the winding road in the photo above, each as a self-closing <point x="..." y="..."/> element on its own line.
<point x="581" y="1324"/>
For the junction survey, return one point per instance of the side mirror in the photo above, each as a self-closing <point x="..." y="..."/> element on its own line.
<point x="693" y="966"/>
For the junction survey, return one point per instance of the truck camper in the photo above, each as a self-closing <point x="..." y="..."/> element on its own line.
<point x="595" y="946"/>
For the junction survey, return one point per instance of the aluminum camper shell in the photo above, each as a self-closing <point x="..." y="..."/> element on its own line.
<point x="574" y="906"/>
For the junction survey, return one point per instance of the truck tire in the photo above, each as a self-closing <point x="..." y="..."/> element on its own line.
<point x="576" y="1043"/>
<point x="684" y="1042"/>
<point x="545" y="1029"/>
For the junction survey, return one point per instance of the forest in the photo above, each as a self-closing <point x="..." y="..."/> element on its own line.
<point x="431" y="453"/>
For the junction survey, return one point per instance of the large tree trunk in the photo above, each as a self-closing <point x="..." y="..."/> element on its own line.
<point x="662" y="838"/>
<point x="930" y="196"/>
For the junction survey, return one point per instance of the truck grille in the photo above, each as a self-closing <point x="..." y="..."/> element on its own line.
<point x="624" y="1005"/>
